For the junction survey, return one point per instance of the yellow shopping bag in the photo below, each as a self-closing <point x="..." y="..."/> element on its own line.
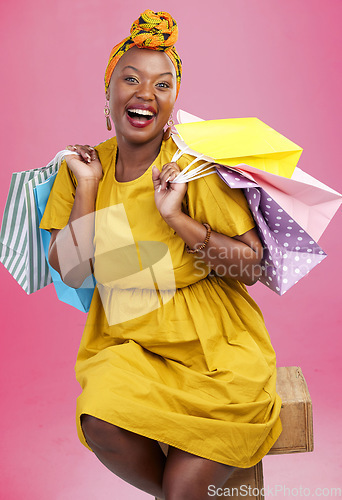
<point x="242" y="140"/>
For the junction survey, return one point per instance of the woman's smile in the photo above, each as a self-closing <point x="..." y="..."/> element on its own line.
<point x="140" y="115"/>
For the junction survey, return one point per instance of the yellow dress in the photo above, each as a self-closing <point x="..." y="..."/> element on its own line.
<point x="190" y="365"/>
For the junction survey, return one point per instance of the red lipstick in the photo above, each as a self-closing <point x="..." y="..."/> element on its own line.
<point x="140" y="115"/>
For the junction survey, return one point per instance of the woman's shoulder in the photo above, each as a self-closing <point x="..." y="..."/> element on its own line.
<point x="170" y="149"/>
<point x="210" y="197"/>
<point x="109" y="144"/>
<point x="106" y="151"/>
<point x="183" y="160"/>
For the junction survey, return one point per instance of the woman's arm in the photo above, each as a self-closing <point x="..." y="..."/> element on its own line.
<point x="71" y="249"/>
<point x="238" y="257"/>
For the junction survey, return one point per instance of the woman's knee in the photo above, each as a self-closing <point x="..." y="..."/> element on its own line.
<point x="99" y="433"/>
<point x="191" y="490"/>
<point x="185" y="492"/>
<point x="189" y="477"/>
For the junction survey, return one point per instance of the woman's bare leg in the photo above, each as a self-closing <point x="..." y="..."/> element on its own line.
<point x="135" y="459"/>
<point x="187" y="476"/>
<point x="140" y="461"/>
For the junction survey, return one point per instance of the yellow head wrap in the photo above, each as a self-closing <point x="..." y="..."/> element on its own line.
<point x="153" y="30"/>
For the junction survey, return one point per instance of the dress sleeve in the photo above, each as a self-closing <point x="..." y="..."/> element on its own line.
<point x="61" y="200"/>
<point x="209" y="199"/>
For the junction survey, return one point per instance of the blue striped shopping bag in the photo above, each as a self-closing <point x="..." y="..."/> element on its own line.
<point x="24" y="247"/>
<point x="21" y="250"/>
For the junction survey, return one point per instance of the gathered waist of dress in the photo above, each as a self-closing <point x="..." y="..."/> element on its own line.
<point x="150" y="268"/>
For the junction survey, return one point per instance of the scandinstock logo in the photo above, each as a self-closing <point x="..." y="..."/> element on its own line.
<point x="133" y="277"/>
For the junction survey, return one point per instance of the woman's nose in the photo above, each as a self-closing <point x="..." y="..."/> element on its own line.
<point x="145" y="91"/>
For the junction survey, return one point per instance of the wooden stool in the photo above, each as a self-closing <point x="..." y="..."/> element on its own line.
<point x="296" y="436"/>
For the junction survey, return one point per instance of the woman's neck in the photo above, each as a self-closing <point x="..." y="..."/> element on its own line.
<point x="134" y="159"/>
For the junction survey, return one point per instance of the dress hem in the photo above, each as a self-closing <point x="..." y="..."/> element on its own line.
<point x="261" y="451"/>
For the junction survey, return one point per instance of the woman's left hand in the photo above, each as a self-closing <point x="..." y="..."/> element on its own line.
<point x="168" y="196"/>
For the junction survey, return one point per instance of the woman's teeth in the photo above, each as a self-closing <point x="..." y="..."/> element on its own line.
<point x="140" y="113"/>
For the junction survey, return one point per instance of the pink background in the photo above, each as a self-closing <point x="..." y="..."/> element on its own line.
<point x="279" y="61"/>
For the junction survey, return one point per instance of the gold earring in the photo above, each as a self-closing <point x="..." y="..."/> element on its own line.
<point x="107" y="114"/>
<point x="168" y="131"/>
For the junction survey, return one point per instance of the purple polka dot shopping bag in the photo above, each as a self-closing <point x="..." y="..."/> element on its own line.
<point x="291" y="208"/>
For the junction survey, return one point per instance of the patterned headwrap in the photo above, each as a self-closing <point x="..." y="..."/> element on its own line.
<point x="153" y="30"/>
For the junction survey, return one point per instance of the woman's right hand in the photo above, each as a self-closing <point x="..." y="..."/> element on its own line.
<point x="85" y="166"/>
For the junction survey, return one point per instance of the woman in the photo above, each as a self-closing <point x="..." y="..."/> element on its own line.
<point x="188" y="362"/>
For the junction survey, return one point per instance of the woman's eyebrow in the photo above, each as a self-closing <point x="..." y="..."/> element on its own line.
<point x="132" y="67"/>
<point x="167" y="73"/>
<point x="138" y="71"/>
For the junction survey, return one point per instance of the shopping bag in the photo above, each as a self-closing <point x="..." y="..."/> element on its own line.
<point x="80" y="298"/>
<point x="308" y="201"/>
<point x="21" y="250"/>
<point x="290" y="253"/>
<point x="290" y="214"/>
<point x="240" y="140"/>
